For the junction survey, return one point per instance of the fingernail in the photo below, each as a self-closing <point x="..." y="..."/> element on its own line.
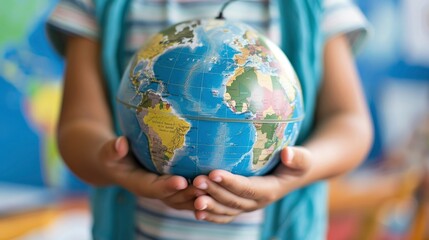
<point x="202" y="186"/>
<point x="202" y="217"/>
<point x="217" y="179"/>
<point x="181" y="185"/>
<point x="117" y="143"/>
<point x="290" y="155"/>
<point x="203" y="207"/>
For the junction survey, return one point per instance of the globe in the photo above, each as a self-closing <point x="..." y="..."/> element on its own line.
<point x="209" y="94"/>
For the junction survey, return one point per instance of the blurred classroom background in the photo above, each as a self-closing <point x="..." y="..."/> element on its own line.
<point x="386" y="198"/>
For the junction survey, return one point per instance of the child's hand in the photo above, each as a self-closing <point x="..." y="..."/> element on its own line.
<point x="228" y="195"/>
<point x="122" y="169"/>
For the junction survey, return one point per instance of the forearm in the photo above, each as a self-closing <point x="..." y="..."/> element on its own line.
<point x="338" y="145"/>
<point x="84" y="123"/>
<point x="343" y="131"/>
<point x="79" y="143"/>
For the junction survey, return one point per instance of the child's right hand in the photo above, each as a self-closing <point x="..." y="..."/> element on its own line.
<point x="122" y="169"/>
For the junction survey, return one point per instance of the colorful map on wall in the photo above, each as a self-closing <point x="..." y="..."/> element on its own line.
<point x="30" y="83"/>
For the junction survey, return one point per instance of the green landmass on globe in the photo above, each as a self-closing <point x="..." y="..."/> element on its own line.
<point x="209" y="94"/>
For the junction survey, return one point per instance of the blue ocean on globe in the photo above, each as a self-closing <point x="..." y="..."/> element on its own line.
<point x="209" y="94"/>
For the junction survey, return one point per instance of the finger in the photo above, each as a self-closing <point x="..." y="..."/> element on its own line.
<point x="214" y="218"/>
<point x="164" y="186"/>
<point x="239" y="198"/>
<point x="189" y="205"/>
<point x="114" y="149"/>
<point x="147" y="184"/>
<point x="184" y="199"/>
<point x="208" y="204"/>
<point x="296" y="158"/>
<point x="258" y="188"/>
<point x="135" y="178"/>
<point x="186" y="195"/>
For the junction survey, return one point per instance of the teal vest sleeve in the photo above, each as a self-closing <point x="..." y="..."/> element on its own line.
<point x="111" y="17"/>
<point x="113" y="208"/>
<point x="113" y="211"/>
<point x="302" y="214"/>
<point x="302" y="41"/>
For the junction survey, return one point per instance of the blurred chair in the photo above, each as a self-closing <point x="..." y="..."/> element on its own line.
<point x="420" y="224"/>
<point x="401" y="181"/>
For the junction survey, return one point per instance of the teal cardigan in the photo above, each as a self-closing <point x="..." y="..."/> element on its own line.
<point x="301" y="214"/>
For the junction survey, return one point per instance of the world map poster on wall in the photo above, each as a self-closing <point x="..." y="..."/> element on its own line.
<point x="30" y="83"/>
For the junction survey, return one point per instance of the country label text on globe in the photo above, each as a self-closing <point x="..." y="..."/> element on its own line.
<point x="209" y="94"/>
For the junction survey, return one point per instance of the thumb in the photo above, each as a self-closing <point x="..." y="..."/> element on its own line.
<point x="296" y="158"/>
<point x="114" y="149"/>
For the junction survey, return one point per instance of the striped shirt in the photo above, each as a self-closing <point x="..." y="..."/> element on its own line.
<point x="155" y="220"/>
<point x="147" y="17"/>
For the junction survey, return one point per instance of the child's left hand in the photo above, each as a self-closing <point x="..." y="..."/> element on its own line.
<point x="228" y="195"/>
